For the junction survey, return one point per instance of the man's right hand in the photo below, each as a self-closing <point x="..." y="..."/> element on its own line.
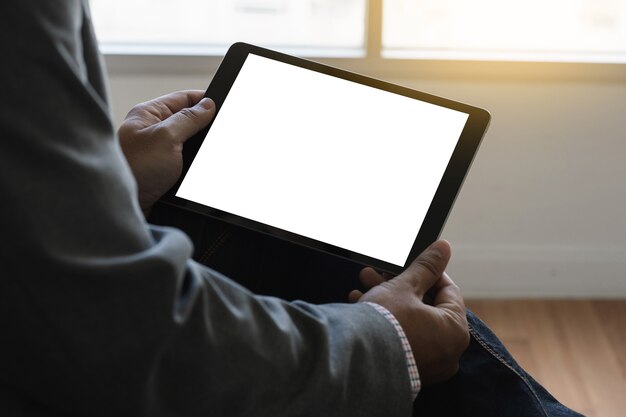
<point x="428" y="306"/>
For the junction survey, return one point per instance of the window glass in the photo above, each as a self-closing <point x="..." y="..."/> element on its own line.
<point x="543" y="29"/>
<point x="301" y="24"/>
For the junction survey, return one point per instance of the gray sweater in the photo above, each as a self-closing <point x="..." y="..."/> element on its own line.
<point x="102" y="314"/>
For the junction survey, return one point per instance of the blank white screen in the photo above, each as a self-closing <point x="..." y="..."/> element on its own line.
<point x="326" y="158"/>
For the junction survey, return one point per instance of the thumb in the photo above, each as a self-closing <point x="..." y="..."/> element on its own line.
<point x="188" y="121"/>
<point x="428" y="268"/>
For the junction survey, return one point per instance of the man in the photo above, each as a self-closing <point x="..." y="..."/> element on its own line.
<point x="103" y="314"/>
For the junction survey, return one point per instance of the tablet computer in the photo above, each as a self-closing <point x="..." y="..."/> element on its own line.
<point x="336" y="161"/>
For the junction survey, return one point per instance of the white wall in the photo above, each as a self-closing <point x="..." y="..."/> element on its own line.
<point x="543" y="210"/>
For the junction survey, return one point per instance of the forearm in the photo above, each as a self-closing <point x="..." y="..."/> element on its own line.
<point x="144" y="334"/>
<point x="262" y="355"/>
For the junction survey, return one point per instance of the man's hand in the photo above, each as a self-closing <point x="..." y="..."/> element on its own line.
<point x="429" y="307"/>
<point x="152" y="138"/>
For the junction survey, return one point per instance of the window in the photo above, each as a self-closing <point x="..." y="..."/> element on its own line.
<point x="530" y="30"/>
<point x="582" y="30"/>
<point x="327" y="27"/>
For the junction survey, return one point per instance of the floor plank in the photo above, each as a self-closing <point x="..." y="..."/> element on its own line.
<point x="575" y="348"/>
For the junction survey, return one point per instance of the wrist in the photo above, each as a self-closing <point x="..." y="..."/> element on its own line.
<point x="414" y="378"/>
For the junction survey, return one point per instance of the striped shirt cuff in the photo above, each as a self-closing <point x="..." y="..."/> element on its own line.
<point x="414" y="377"/>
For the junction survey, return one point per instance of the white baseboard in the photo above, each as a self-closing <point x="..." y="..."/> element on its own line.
<point x="539" y="272"/>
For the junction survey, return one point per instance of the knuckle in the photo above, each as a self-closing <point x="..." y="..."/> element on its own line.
<point x="432" y="261"/>
<point x="462" y="341"/>
<point x="450" y="353"/>
<point x="129" y="133"/>
<point x="137" y="109"/>
<point x="452" y="369"/>
<point x="427" y="264"/>
<point x="166" y="132"/>
<point x="124" y="132"/>
<point x="189" y="114"/>
<point x="461" y="337"/>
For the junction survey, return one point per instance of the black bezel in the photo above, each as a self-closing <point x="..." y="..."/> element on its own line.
<point x="441" y="204"/>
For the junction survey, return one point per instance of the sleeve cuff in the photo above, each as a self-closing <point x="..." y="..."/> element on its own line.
<point x="414" y="377"/>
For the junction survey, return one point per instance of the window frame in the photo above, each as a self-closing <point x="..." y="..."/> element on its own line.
<point x="130" y="60"/>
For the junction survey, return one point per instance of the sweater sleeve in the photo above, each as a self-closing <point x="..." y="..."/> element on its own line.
<point x="103" y="314"/>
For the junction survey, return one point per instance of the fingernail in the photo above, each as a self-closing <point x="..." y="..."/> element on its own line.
<point x="206" y="103"/>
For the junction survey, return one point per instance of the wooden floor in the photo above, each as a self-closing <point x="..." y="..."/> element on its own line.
<point x="576" y="349"/>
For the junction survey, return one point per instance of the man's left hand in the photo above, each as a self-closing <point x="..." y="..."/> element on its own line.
<point x="152" y="138"/>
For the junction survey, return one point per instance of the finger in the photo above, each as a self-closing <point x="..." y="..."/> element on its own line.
<point x="448" y="295"/>
<point x="354" y="296"/>
<point x="370" y="278"/>
<point x="189" y="120"/>
<point x="424" y="272"/>
<point x="387" y="276"/>
<point x="163" y="107"/>
<point x="194" y="96"/>
<point x="179" y="100"/>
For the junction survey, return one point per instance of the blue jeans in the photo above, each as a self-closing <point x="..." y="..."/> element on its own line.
<point x="489" y="382"/>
